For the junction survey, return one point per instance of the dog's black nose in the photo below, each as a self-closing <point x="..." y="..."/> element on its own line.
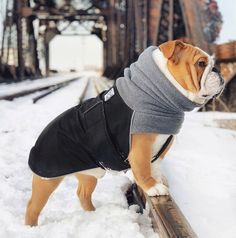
<point x="214" y="69"/>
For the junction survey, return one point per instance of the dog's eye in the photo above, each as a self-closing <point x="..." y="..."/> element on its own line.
<point x="202" y="64"/>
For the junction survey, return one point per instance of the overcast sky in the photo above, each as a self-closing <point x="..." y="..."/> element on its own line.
<point x="76" y="52"/>
<point x="228" y="10"/>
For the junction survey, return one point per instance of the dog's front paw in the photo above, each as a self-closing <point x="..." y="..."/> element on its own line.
<point x="158" y="190"/>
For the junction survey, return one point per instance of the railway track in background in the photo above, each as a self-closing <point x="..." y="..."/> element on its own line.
<point x="102" y="84"/>
<point x="99" y="85"/>
<point x="48" y="89"/>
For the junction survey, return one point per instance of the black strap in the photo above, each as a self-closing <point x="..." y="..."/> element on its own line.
<point x="169" y="139"/>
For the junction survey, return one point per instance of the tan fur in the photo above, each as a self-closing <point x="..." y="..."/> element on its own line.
<point x="43" y="188"/>
<point x="140" y="159"/>
<point x="87" y="184"/>
<point x="183" y="63"/>
<point x="41" y="191"/>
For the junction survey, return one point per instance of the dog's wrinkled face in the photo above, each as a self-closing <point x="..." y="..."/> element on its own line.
<point x="193" y="69"/>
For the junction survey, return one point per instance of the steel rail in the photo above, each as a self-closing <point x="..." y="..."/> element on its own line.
<point x="22" y="93"/>
<point x="167" y="218"/>
<point x="43" y="95"/>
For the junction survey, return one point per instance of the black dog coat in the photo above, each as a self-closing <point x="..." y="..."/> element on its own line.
<point x="95" y="133"/>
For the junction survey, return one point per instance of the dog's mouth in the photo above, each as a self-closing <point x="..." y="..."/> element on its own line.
<point x="213" y="85"/>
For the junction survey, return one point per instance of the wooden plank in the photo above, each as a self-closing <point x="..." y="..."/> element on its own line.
<point x="154" y="13"/>
<point x="171" y="18"/>
<point x="138" y="27"/>
<point x="194" y="26"/>
<point x="225" y="52"/>
<point x="20" y="51"/>
<point x="167" y="218"/>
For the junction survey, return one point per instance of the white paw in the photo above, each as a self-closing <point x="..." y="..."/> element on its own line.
<point x="158" y="190"/>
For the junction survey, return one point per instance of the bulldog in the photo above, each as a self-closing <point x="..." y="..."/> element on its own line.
<point x="131" y="125"/>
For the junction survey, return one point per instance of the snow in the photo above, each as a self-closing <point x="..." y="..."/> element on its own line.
<point x="201" y="171"/>
<point x="200" y="167"/>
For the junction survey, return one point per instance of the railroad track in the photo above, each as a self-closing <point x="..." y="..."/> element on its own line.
<point x="46" y="90"/>
<point x="102" y="84"/>
<point x="167" y="219"/>
<point x="99" y="85"/>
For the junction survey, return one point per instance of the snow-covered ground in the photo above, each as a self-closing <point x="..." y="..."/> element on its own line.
<point x="20" y="124"/>
<point x="200" y="167"/>
<point x="201" y="170"/>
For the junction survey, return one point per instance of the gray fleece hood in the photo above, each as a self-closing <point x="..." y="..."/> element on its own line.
<point x="158" y="106"/>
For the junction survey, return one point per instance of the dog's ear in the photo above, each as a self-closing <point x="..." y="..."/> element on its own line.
<point x="171" y="50"/>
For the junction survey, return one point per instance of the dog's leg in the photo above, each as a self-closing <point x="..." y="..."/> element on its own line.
<point x="87" y="184"/>
<point x="140" y="162"/>
<point x="41" y="190"/>
<point x="140" y="159"/>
